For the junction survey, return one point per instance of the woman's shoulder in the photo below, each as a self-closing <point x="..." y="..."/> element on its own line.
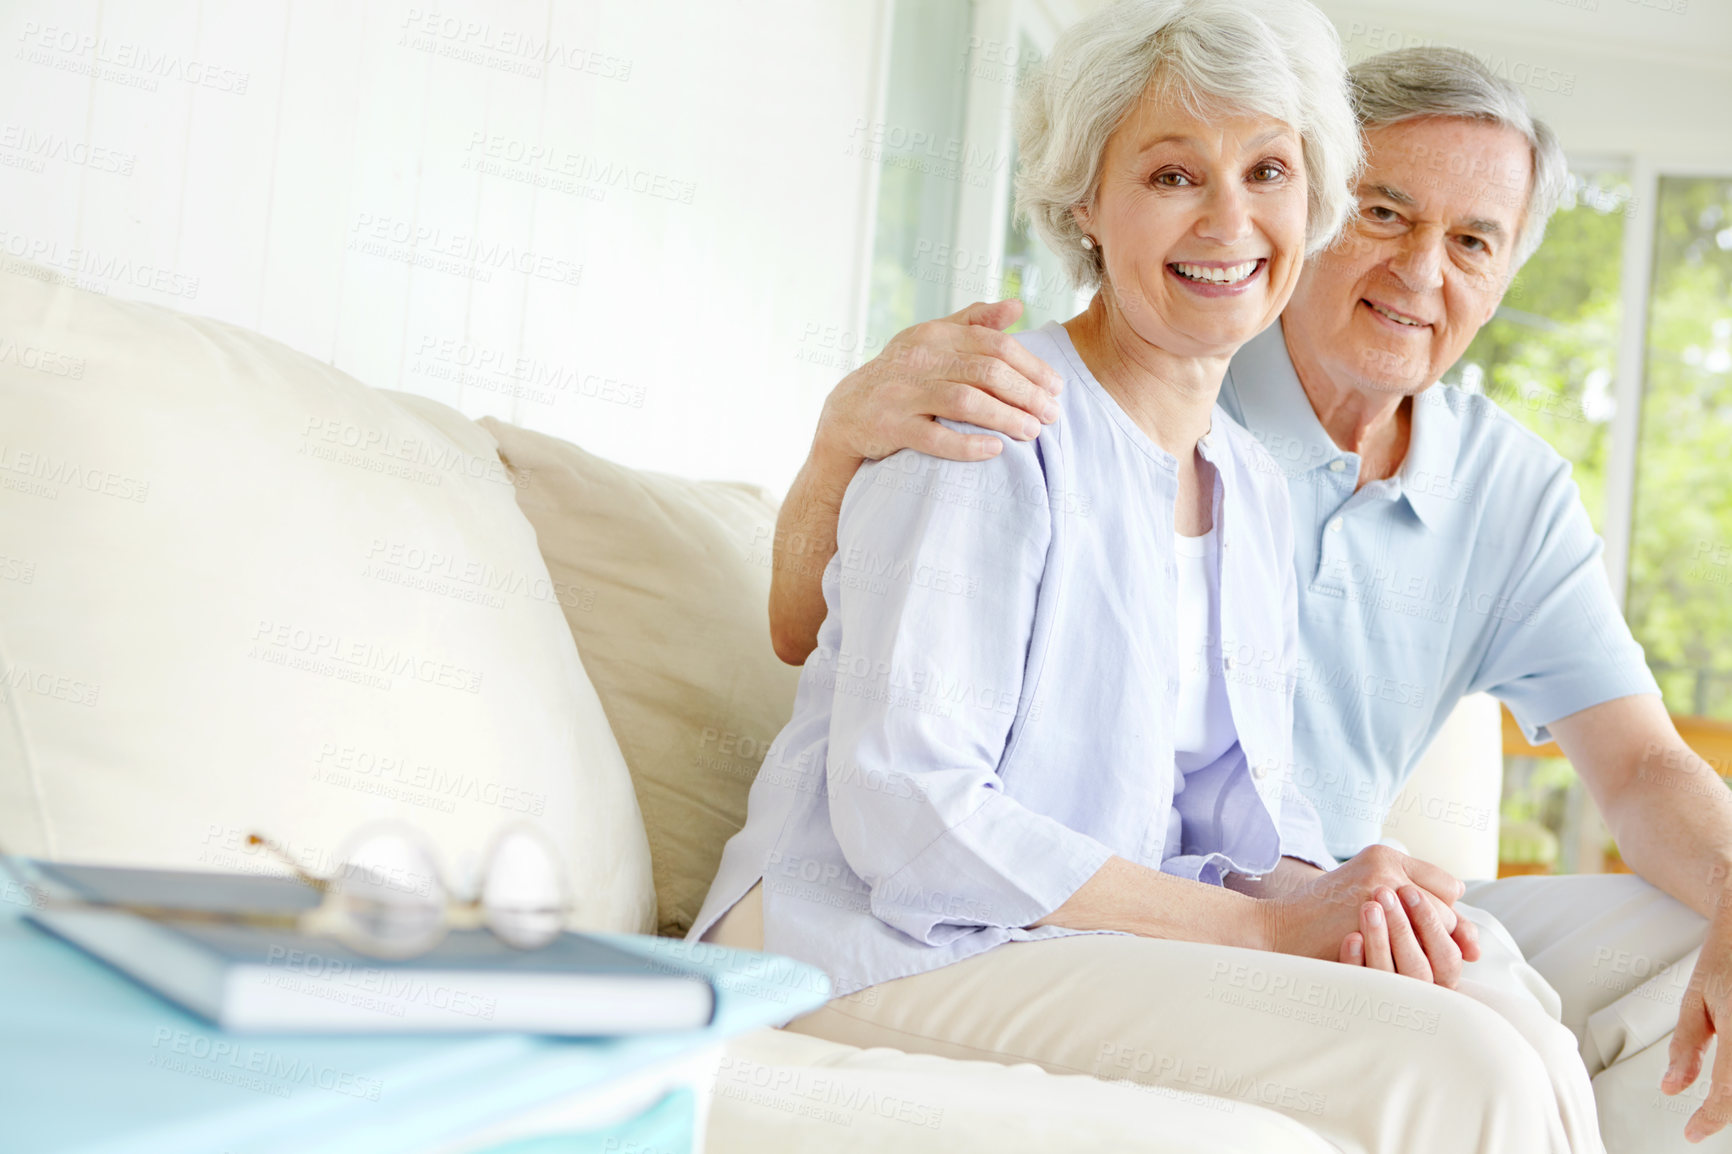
<point x="1051" y="344"/>
<point x="915" y="492"/>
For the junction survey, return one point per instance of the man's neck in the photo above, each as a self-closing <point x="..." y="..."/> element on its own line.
<point x="1372" y="423"/>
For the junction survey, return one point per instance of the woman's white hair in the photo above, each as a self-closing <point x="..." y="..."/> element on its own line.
<point x="1416" y="83"/>
<point x="1275" y="58"/>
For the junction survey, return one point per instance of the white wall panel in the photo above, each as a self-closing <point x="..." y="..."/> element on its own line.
<point x="611" y="221"/>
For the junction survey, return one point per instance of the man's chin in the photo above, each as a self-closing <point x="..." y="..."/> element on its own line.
<point x="1386" y="370"/>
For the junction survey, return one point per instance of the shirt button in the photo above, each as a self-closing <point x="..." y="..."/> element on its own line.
<point x="1227" y="661"/>
<point x="1337" y="465"/>
<point x="1259" y="771"/>
<point x="1335" y="524"/>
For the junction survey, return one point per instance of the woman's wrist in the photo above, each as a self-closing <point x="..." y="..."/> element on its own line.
<point x="1251" y="925"/>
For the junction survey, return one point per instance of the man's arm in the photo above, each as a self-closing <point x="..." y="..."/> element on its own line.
<point x="805" y="541"/>
<point x="1672" y="818"/>
<point x="1669" y="811"/>
<point x="960" y="367"/>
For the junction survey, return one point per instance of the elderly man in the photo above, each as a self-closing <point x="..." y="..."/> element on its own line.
<point x="1441" y="550"/>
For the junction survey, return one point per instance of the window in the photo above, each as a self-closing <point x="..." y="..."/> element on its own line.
<point x="918" y="146"/>
<point x="945" y="232"/>
<point x="1548" y="359"/>
<point x="1549" y="355"/>
<point x="1678" y="601"/>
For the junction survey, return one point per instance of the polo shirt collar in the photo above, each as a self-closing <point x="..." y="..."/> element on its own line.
<point x="1273" y="405"/>
<point x="1427" y="474"/>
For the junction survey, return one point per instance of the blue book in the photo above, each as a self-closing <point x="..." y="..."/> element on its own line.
<point x="255" y="979"/>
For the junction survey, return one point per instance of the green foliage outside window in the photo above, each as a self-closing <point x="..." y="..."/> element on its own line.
<point x="1681" y="554"/>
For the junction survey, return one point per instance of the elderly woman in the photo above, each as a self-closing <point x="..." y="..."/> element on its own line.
<point x="1030" y="805"/>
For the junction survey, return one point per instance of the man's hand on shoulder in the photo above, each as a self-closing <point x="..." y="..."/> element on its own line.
<point x="961" y="367"/>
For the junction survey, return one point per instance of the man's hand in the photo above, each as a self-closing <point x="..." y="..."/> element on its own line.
<point x="1414" y="929"/>
<point x="961" y="367"/>
<point x="1707" y="1008"/>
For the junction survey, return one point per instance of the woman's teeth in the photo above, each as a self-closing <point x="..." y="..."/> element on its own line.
<point x="1228" y="275"/>
<point x="1396" y="317"/>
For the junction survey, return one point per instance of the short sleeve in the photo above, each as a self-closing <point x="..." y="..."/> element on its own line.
<point x="1559" y="645"/>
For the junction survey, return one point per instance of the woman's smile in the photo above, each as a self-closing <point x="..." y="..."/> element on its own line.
<point x="1217" y="278"/>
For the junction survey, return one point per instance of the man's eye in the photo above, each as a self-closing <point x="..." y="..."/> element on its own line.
<point x="1379" y="213"/>
<point x="1474" y="244"/>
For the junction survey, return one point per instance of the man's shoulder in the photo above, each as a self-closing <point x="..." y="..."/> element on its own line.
<point x="1489" y="438"/>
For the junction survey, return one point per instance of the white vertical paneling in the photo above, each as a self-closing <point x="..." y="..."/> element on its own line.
<point x="307" y="208"/>
<point x="383" y="209"/>
<point x="46" y="123"/>
<point x="227" y="166"/>
<point x="131" y="232"/>
<point x="687" y="158"/>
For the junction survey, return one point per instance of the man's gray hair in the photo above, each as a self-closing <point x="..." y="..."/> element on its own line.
<point x="1275" y="58"/>
<point x="1418" y="83"/>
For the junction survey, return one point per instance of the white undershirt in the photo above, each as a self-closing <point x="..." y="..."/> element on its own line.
<point x="1204" y="727"/>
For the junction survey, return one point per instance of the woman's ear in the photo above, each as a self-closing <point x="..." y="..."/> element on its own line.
<point x="1080" y="214"/>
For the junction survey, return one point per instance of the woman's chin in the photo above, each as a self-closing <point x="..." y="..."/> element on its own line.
<point x="1199" y="328"/>
<point x="1217" y="336"/>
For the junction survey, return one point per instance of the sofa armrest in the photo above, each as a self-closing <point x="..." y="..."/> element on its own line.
<point x="1448" y="812"/>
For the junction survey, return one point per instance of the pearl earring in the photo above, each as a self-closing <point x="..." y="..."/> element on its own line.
<point x="1088" y="242"/>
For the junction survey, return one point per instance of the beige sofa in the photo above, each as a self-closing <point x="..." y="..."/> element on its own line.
<point x="240" y="590"/>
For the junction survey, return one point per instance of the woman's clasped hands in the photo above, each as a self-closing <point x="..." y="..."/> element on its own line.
<point x="1382" y="909"/>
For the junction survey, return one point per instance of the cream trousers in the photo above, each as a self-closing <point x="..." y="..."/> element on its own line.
<point x="1373" y="1062"/>
<point x="1619" y="953"/>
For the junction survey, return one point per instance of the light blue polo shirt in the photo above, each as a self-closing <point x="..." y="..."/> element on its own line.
<point x="1474" y="568"/>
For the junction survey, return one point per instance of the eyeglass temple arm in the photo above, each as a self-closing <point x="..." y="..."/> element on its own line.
<point x="282" y="855"/>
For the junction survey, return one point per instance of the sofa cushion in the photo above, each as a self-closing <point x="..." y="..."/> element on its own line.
<point x="240" y="591"/>
<point x="670" y="583"/>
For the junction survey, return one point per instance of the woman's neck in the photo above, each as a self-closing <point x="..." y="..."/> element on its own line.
<point x="1171" y="398"/>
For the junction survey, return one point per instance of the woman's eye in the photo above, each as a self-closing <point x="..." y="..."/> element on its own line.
<point x="1170" y="179"/>
<point x="1264" y="173"/>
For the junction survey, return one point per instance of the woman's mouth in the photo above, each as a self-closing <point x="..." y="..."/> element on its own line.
<point x="1216" y="278"/>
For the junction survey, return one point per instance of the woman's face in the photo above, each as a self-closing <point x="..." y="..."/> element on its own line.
<point x="1201" y="223"/>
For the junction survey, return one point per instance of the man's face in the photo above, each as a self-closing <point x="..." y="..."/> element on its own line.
<point x="1422" y="265"/>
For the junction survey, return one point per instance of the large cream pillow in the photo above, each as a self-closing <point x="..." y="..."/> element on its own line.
<point x="240" y="591"/>
<point x="672" y="621"/>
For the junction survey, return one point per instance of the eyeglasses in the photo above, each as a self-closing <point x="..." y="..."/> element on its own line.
<point x="388" y="898"/>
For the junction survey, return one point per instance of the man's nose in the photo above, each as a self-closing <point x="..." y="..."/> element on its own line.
<point x="1419" y="263"/>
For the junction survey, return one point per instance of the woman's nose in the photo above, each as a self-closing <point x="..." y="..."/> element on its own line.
<point x="1226" y="215"/>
